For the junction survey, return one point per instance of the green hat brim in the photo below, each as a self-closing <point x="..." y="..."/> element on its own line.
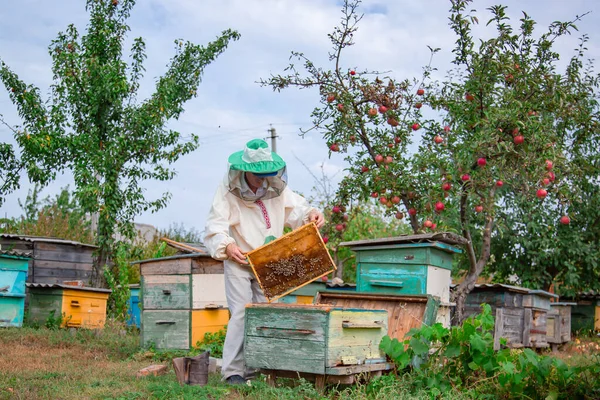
<point x="260" y="167"/>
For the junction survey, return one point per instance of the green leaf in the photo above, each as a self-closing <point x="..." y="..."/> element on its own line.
<point x="418" y="346"/>
<point x="473" y="366"/>
<point x="452" y="350"/>
<point x="477" y="343"/>
<point x="552" y="395"/>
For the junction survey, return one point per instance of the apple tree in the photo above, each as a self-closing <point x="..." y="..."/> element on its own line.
<point x="94" y="125"/>
<point x="446" y="152"/>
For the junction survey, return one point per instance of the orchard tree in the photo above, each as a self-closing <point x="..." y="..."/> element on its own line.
<point x="94" y="125"/>
<point x="502" y="121"/>
<point x="10" y="167"/>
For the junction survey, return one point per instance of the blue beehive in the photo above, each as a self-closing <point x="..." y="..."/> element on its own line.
<point x="134" y="306"/>
<point x="13" y="274"/>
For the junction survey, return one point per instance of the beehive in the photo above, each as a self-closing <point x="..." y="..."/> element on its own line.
<point x="290" y="262"/>
<point x="404" y="312"/>
<point x="13" y="274"/>
<point x="182" y="298"/>
<point x="79" y="307"/>
<point x="406" y="265"/>
<point x="316" y="339"/>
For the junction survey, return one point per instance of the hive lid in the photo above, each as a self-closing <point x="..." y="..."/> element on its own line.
<point x="61" y="286"/>
<point x="448" y="238"/>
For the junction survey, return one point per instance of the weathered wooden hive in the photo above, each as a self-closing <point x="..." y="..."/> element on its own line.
<point x="315" y="339"/>
<point x="558" y="329"/>
<point x="408" y="265"/>
<point x="13" y="274"/>
<point x="74" y="306"/>
<point x="405" y="312"/>
<point x="182" y="297"/>
<point x="535" y="318"/>
<point x="52" y="260"/>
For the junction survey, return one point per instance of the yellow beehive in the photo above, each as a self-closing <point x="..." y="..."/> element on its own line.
<point x="209" y="320"/>
<point x="78" y="307"/>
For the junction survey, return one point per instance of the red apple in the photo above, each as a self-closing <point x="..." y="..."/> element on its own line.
<point x="433" y="227"/>
<point x="383" y="109"/>
<point x="374" y="195"/>
<point x="378" y="158"/>
<point x="339" y="227"/>
<point x="340" y="107"/>
<point x="415" y="126"/>
<point x="330" y="98"/>
<point x="565" y="220"/>
<point x="352" y="138"/>
<point x="389" y="159"/>
<point x="399" y="215"/>
<point x="479" y="208"/>
<point x="481" y="162"/>
<point x="412" y="211"/>
<point x="392" y="121"/>
<point x="446" y="186"/>
<point x="395" y="199"/>
<point x="438" y="139"/>
<point x="428" y="223"/>
<point x="465" y="177"/>
<point x="345" y="217"/>
<point x="546" y="181"/>
<point x="446" y="129"/>
<point x="364" y="169"/>
<point x="519" y="139"/>
<point x="439" y="206"/>
<point x="324" y="278"/>
<point x="531" y="113"/>
<point x="549" y="165"/>
<point x="469" y="97"/>
<point x="541" y="193"/>
<point x="336" y="209"/>
<point x="383" y="200"/>
<point x="411" y="195"/>
<point x="499" y="183"/>
<point x="325" y="239"/>
<point x="397" y="139"/>
<point x="418" y="105"/>
<point x="352" y="72"/>
<point x="515" y="132"/>
<point x="372" y="112"/>
<point x="421" y="92"/>
<point x="551" y="176"/>
<point x="334" y="147"/>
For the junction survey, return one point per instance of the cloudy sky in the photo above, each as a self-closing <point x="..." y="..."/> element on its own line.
<point x="231" y="108"/>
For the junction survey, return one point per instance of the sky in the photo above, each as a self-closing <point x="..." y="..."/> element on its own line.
<point x="231" y="107"/>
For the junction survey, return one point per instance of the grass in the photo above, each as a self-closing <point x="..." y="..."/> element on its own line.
<point x="82" y="364"/>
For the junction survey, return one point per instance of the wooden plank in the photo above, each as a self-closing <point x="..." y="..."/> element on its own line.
<point x="208" y="290"/>
<point x="43" y="303"/>
<point x="438" y="283"/>
<point x="359" y="369"/>
<point x="284" y="354"/>
<point x="301" y="324"/>
<point x="63" y="265"/>
<point x="527" y="317"/>
<point x="182" y="246"/>
<point x="61" y="274"/>
<point x="76" y="257"/>
<point x="166" y="292"/>
<point x="395" y="281"/>
<point x="181" y="266"/>
<point x="207" y="265"/>
<point x="291" y="261"/>
<point x="350" y="336"/>
<point x="498" y="328"/>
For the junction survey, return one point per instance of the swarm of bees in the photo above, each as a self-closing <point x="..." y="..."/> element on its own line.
<point x="297" y="266"/>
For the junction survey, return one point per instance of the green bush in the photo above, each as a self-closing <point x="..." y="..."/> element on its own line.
<point x="212" y="342"/>
<point x="464" y="358"/>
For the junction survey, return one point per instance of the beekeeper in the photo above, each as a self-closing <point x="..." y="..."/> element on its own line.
<point x="251" y="207"/>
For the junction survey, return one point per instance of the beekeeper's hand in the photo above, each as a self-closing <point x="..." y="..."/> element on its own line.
<point x="236" y="254"/>
<point x="317" y="218"/>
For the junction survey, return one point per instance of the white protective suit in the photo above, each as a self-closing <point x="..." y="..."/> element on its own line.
<point x="238" y="216"/>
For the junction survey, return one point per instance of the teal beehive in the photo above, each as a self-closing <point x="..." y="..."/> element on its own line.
<point x="13" y="275"/>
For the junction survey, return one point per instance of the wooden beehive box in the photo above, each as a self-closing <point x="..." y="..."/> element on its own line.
<point x="404" y="312"/>
<point x="80" y="307"/>
<point x="406" y="265"/>
<point x="291" y="261"/>
<point x="558" y="321"/>
<point x="182" y="297"/>
<point x="315" y="339"/>
<point x="13" y="274"/>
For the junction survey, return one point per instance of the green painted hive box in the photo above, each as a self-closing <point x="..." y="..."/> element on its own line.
<point x="13" y="274"/>
<point x="406" y="265"/>
<point x="316" y="339"/>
